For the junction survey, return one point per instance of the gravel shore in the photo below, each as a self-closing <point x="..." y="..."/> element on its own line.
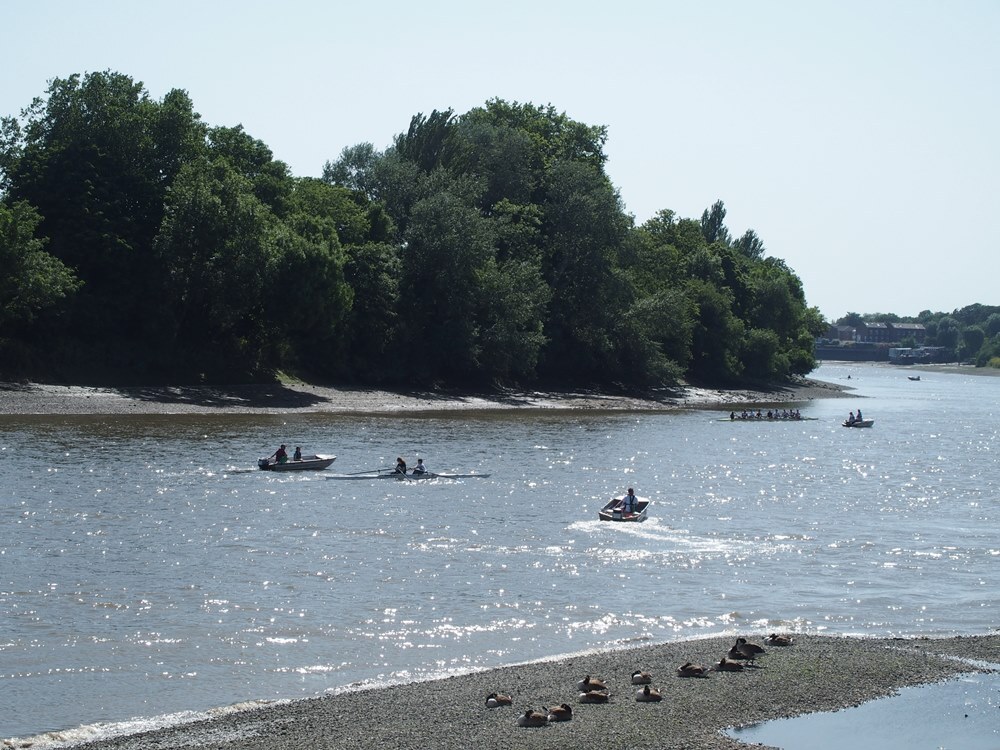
<point x="815" y="673"/>
<point x="289" y="398"/>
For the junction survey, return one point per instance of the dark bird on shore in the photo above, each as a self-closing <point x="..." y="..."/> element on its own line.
<point x="562" y="712"/>
<point x="641" y="678"/>
<point x="750" y="650"/>
<point x="743" y="649"/>
<point x="726" y="665"/>
<point x="532" y="719"/>
<point x="495" y="700"/>
<point x="593" y="696"/>
<point x="590" y="684"/>
<point x="778" y="640"/>
<point x="687" y="669"/>
<point x="648" y="695"/>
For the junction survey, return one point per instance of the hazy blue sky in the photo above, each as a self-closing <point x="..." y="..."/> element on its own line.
<point x="860" y="140"/>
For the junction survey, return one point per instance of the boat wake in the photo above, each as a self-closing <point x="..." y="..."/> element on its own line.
<point x="666" y="539"/>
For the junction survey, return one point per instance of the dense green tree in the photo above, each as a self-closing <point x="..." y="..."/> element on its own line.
<point x="763" y="356"/>
<point x="814" y="322"/>
<point x="930" y="332"/>
<point x="652" y="261"/>
<point x="96" y="157"/>
<point x="882" y="318"/>
<point x="505" y="157"/>
<point x="992" y="324"/>
<point x="354" y="169"/>
<point x="220" y="248"/>
<point x="249" y="157"/>
<point x="750" y="245"/>
<point x="852" y="319"/>
<point x="584" y="230"/>
<point x="556" y="137"/>
<point x="517" y="232"/>
<point x="654" y="338"/>
<point x="374" y="348"/>
<point x="713" y="227"/>
<point x="32" y="280"/>
<point x="948" y="333"/>
<point x="448" y="244"/>
<point x="484" y="247"/>
<point x="511" y="314"/>
<point x="778" y="301"/>
<point x="989" y="354"/>
<point x="309" y="288"/>
<point x="973" y="338"/>
<point x="716" y="335"/>
<point x="425" y="141"/>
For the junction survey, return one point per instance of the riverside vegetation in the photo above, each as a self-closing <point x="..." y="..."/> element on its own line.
<point x="141" y="244"/>
<point x="482" y="248"/>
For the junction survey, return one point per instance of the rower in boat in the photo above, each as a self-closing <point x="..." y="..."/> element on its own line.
<point x="419" y="468"/>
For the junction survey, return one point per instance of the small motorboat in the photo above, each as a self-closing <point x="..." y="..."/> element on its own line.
<point x="859" y="423"/>
<point x="306" y="463"/>
<point x="913" y="377"/>
<point x="613" y="511"/>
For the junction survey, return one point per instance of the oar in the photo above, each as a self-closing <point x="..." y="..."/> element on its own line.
<point x="366" y="471"/>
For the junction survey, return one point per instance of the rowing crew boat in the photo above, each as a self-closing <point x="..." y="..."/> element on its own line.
<point x="758" y="420"/>
<point x="407" y="477"/>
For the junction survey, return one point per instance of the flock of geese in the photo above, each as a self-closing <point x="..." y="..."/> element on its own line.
<point x="591" y="690"/>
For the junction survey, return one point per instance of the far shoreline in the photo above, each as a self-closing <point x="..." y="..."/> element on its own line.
<point x="302" y="398"/>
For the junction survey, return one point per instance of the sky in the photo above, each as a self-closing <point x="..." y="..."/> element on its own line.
<point x="859" y="139"/>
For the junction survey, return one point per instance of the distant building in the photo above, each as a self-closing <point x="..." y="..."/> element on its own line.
<point x="906" y="330"/>
<point x="840" y="333"/>
<point x="889" y="333"/>
<point x="876" y="342"/>
<point x="873" y="333"/>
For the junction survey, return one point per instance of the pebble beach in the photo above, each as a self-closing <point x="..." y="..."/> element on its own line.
<point x="815" y="673"/>
<point x="303" y="398"/>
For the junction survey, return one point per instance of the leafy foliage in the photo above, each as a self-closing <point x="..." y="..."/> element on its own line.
<point x="33" y="281"/>
<point x="481" y="248"/>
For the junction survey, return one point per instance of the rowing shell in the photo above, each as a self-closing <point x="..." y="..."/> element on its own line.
<point x="398" y="476"/>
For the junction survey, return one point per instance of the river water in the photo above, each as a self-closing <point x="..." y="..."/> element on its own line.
<point x="149" y="572"/>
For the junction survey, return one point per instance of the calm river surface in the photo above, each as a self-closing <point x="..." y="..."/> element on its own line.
<point x="148" y="569"/>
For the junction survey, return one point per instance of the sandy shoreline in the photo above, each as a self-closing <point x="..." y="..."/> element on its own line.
<point x="291" y="398"/>
<point x="816" y="673"/>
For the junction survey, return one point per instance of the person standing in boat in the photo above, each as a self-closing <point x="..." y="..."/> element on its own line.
<point x="400" y="466"/>
<point x="420" y="468"/>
